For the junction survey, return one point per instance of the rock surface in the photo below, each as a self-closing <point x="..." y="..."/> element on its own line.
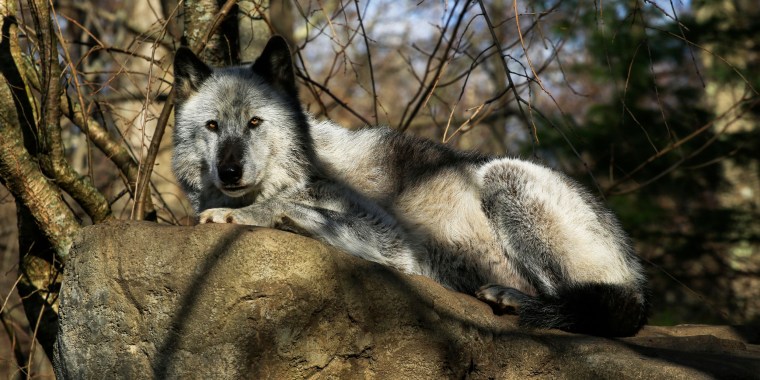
<point x="141" y="300"/>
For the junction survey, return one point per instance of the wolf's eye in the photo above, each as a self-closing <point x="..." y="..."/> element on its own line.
<point x="254" y="122"/>
<point x="212" y="125"/>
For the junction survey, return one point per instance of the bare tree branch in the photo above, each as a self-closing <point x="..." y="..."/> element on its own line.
<point x="52" y="157"/>
<point x="369" y="60"/>
<point x="18" y="169"/>
<point x="46" y="225"/>
<point x="423" y="95"/>
<point x="508" y="72"/>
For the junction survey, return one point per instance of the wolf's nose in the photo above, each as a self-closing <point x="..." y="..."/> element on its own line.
<point x="230" y="174"/>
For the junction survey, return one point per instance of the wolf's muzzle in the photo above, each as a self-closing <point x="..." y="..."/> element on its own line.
<point x="230" y="173"/>
<point x="229" y="167"/>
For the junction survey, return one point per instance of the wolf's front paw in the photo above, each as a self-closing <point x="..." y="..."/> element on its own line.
<point x="235" y="216"/>
<point x="217" y="215"/>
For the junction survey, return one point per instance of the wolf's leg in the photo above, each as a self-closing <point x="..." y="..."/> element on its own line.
<point x="503" y="299"/>
<point x="366" y="232"/>
<point x="522" y="205"/>
<point x="549" y="228"/>
<point x="570" y="249"/>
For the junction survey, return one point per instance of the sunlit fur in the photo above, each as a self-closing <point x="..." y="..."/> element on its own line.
<point x="516" y="234"/>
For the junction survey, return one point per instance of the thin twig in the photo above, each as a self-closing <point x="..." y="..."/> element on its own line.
<point x="680" y="142"/>
<point x="18" y="353"/>
<point x="335" y="98"/>
<point x="717" y="56"/>
<point x="428" y="64"/>
<point x="369" y="61"/>
<point x="508" y="72"/>
<point x="439" y="71"/>
<point x="522" y="43"/>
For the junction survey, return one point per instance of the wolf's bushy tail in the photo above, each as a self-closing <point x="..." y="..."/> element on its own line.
<point x="595" y="309"/>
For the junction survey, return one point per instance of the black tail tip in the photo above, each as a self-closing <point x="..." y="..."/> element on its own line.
<point x="594" y="309"/>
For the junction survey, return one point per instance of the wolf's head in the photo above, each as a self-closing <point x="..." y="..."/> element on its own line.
<point x="240" y="129"/>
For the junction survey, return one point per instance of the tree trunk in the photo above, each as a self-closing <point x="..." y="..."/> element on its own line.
<point x="221" y="48"/>
<point x="46" y="224"/>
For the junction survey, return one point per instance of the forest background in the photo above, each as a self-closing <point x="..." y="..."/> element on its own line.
<point x="651" y="104"/>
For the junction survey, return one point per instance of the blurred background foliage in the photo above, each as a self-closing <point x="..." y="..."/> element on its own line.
<point x="670" y="135"/>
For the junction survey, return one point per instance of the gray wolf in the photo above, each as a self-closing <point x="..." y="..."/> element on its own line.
<point x="519" y="236"/>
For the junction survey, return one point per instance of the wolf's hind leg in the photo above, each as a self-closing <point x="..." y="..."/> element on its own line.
<point x="503" y="299"/>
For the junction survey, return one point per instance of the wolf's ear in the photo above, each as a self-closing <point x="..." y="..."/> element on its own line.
<point x="189" y="73"/>
<point x="275" y="65"/>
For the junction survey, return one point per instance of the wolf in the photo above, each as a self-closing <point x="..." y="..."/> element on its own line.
<point x="518" y="235"/>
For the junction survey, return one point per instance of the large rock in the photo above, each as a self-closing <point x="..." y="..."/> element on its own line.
<point x="141" y="300"/>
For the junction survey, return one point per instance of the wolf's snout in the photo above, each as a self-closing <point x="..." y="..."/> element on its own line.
<point x="230" y="173"/>
<point x="229" y="167"/>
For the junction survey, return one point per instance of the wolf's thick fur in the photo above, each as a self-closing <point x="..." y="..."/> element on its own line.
<point x="515" y="234"/>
